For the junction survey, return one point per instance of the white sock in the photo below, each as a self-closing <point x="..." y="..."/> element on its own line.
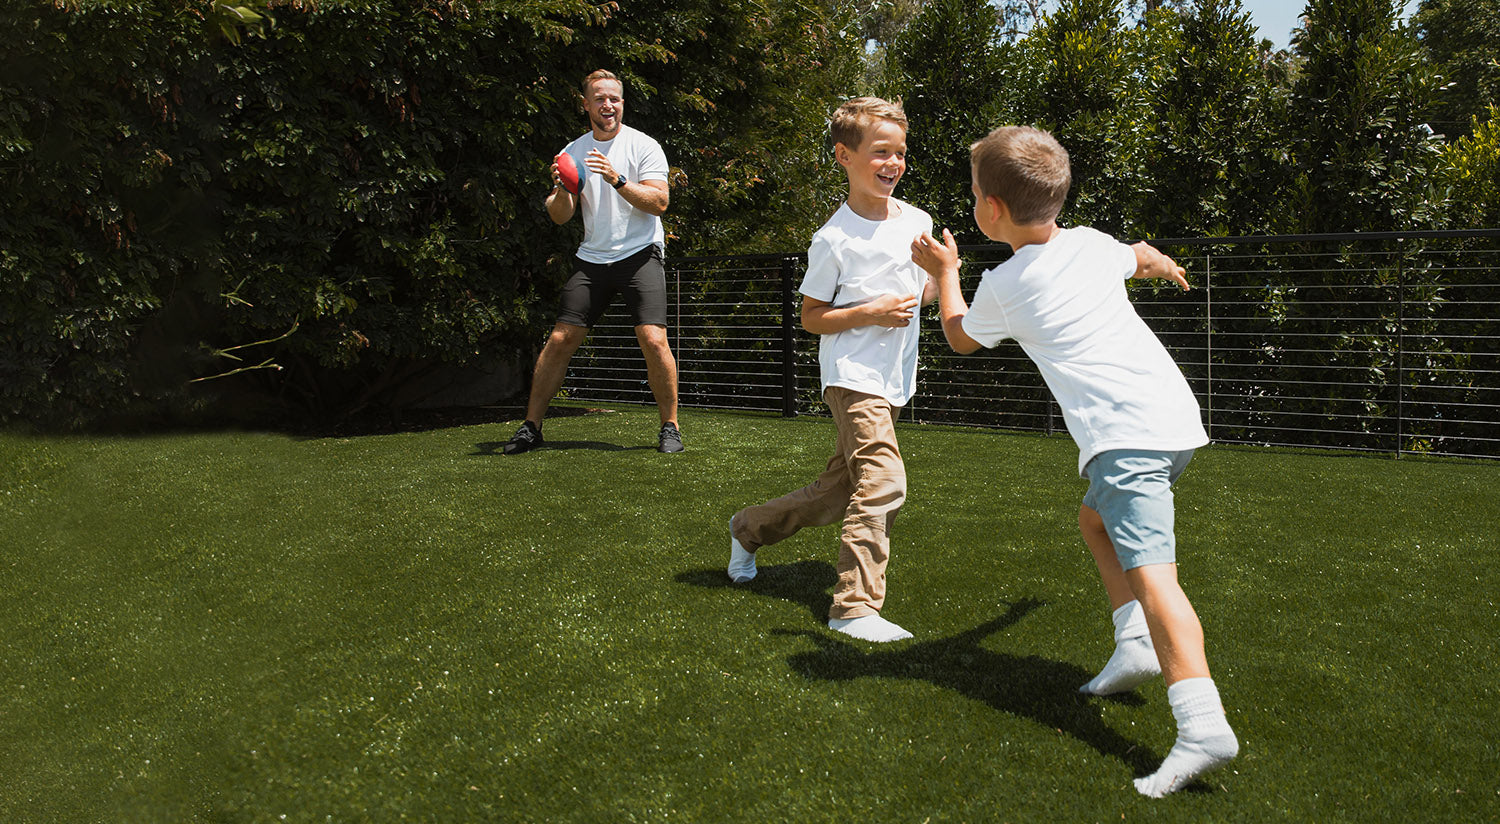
<point x="869" y="628"/>
<point x="1134" y="660"/>
<point x="741" y="561"/>
<point x="1204" y="739"/>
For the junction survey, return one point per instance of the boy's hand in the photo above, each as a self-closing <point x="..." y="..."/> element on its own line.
<point x="1150" y="262"/>
<point x="892" y="311"/>
<point x="933" y="256"/>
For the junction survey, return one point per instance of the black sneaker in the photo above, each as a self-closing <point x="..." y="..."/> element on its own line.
<point x="670" y="440"/>
<point x="527" y="438"/>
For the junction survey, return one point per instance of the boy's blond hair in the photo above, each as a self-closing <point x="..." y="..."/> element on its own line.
<point x="1026" y="168"/>
<point x="850" y="121"/>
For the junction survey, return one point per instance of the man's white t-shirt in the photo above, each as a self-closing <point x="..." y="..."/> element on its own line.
<point x="1064" y="302"/>
<point x="852" y="261"/>
<point x="612" y="228"/>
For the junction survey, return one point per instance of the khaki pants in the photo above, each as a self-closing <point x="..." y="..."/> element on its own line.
<point x="864" y="486"/>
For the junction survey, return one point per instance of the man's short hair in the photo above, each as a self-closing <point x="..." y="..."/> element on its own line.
<point x="850" y="121"/>
<point x="600" y="74"/>
<point x="1025" y="167"/>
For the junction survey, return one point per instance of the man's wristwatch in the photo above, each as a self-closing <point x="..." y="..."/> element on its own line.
<point x="619" y="181"/>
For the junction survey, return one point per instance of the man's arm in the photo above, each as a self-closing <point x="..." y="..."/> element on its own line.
<point x="1150" y="262"/>
<point x="561" y="204"/>
<point x="941" y="262"/>
<point x="650" y="196"/>
<point x="822" y="318"/>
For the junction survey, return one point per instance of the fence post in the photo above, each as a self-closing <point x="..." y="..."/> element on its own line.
<point x="788" y="342"/>
<point x="1208" y="328"/>
<point x="1400" y="352"/>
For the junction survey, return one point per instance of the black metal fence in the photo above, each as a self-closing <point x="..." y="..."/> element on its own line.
<point x="1372" y="342"/>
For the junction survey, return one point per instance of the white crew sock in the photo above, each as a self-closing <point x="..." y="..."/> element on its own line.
<point x="1204" y="739"/>
<point x="869" y="628"/>
<point x="741" y="560"/>
<point x="1134" y="660"/>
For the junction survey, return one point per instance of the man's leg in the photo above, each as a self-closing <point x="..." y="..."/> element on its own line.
<point x="546" y="379"/>
<point x="552" y="367"/>
<point x="661" y="368"/>
<point x="646" y="298"/>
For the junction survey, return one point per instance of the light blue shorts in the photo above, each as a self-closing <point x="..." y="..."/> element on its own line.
<point x="1131" y="489"/>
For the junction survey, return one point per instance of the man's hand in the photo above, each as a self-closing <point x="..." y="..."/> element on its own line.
<point x="1150" y="262"/>
<point x="560" y="203"/>
<point x="599" y="164"/>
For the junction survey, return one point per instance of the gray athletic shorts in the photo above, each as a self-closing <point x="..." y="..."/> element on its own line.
<point x="593" y="286"/>
<point x="1131" y="489"/>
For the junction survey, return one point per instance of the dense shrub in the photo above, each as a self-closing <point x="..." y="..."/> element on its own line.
<point x="350" y="191"/>
<point x="362" y="180"/>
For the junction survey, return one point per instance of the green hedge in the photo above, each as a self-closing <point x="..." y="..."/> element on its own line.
<point x="352" y="190"/>
<point x="365" y="177"/>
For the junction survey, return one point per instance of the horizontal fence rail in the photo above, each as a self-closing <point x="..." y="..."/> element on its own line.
<point x="1375" y="342"/>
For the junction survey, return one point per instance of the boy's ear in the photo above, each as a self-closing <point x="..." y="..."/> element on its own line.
<point x="841" y="154"/>
<point x="998" y="209"/>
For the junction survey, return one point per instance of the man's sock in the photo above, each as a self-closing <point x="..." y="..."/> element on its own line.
<point x="1134" y="660"/>
<point x="1204" y="739"/>
<point x="869" y="628"/>
<point x="741" y="560"/>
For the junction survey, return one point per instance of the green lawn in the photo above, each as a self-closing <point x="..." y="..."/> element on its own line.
<point x="246" y="627"/>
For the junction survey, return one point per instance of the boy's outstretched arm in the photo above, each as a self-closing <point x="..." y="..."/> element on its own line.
<point x="941" y="262"/>
<point x="1150" y="262"/>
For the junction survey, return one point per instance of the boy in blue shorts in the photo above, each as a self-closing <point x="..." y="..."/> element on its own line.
<point x="1126" y="404"/>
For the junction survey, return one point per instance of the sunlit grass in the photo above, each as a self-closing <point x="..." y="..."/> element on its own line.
<point x="242" y="626"/>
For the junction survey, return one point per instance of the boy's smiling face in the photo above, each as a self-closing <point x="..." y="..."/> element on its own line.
<point x="876" y="166"/>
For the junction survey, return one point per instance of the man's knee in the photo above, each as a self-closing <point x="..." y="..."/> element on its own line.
<point x="653" y="339"/>
<point x="566" y="337"/>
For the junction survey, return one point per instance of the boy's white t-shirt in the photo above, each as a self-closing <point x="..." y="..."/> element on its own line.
<point x="612" y="228"/>
<point x="852" y="261"/>
<point x="1064" y="302"/>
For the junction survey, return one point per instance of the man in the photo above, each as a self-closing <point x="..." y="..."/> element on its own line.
<point x="624" y="195"/>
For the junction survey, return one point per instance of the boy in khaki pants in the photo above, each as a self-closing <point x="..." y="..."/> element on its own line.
<point x="861" y="294"/>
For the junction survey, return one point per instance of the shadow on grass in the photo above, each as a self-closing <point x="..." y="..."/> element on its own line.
<point x="493" y="447"/>
<point x="1033" y="687"/>
<point x="803" y="582"/>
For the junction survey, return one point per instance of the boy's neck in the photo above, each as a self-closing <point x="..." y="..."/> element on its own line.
<point x="1018" y="237"/>
<point x="871" y="206"/>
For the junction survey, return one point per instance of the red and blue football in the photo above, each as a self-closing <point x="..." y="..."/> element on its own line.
<point x="570" y="172"/>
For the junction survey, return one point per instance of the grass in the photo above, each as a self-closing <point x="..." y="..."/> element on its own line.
<point x="242" y="626"/>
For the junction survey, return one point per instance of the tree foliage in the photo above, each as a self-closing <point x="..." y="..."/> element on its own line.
<point x="949" y="66"/>
<point x="359" y="183"/>
<point x="1363" y="157"/>
<point x="1462" y="37"/>
<point x="1472" y="167"/>
<point x="1082" y="85"/>
<point x="1213" y="163"/>
<point x="350" y="190"/>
